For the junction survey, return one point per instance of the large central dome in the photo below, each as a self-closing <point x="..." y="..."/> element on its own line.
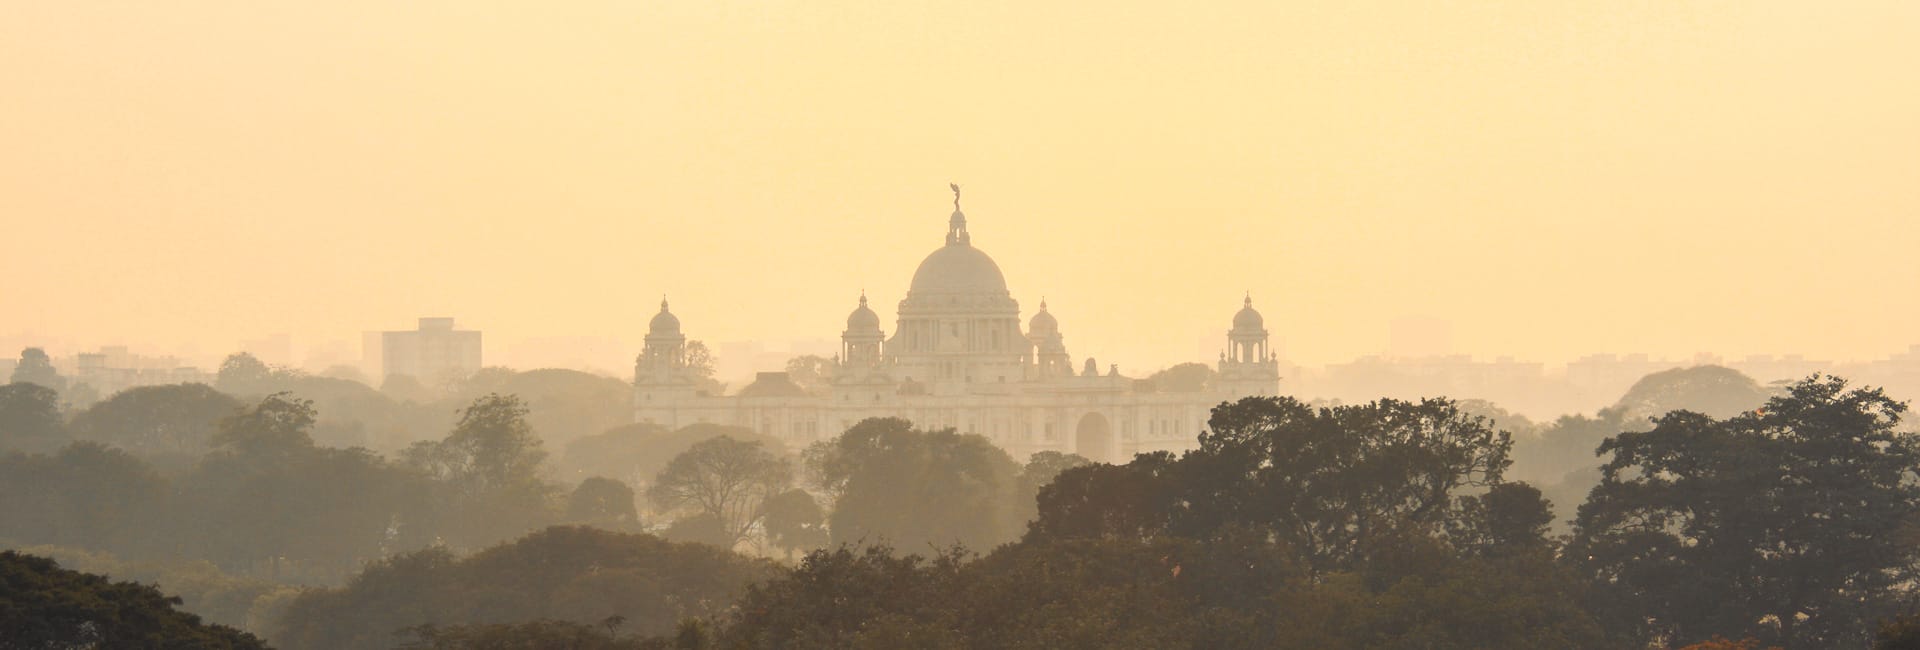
<point x="958" y="267"/>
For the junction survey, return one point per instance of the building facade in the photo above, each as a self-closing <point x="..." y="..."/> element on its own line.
<point x="436" y="352"/>
<point x="959" y="357"/>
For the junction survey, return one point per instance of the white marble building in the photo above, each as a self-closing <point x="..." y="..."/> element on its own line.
<point x="958" y="357"/>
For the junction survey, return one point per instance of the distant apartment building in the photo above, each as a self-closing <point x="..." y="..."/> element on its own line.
<point x="433" y="353"/>
<point x="114" y="368"/>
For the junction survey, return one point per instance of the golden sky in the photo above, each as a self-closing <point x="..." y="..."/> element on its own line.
<point x="1552" y="177"/>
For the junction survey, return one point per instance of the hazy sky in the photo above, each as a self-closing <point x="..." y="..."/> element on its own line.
<point x="1552" y="177"/>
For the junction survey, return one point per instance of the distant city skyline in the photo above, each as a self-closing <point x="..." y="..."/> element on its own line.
<point x="1551" y="178"/>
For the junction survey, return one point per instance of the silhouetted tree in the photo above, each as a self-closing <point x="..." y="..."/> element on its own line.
<point x="87" y="495"/>
<point x="1798" y="514"/>
<point x="574" y="574"/>
<point x="30" y="418"/>
<point x="1041" y="469"/>
<point x="794" y="522"/>
<point x="45" y="606"/>
<point x="267" y="494"/>
<point x="918" y="488"/>
<point x="1510" y="519"/>
<point x="723" y="477"/>
<point x="602" y="501"/>
<point x="488" y="469"/>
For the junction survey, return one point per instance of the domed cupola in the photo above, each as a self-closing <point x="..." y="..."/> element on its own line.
<point x="958" y="268"/>
<point x="863" y="319"/>
<point x="1043" y="322"/>
<point x="860" y="345"/>
<point x="1248" y="320"/>
<point x="664" y="322"/>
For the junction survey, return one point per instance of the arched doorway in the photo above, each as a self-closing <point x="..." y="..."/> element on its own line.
<point x="1093" y="438"/>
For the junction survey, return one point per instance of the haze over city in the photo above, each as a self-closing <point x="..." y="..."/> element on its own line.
<point x="650" y="325"/>
<point x="1552" y="179"/>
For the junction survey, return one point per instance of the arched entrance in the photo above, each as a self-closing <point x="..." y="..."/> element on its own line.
<point x="1093" y="438"/>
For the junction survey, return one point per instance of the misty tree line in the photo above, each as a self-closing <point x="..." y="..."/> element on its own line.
<point x="1781" y="515"/>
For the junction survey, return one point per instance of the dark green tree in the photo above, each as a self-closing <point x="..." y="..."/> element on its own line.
<point x="602" y="501"/>
<point x="30" y="418"/>
<point x="1510" y="519"/>
<point x="565" y="573"/>
<point x="794" y="522"/>
<point x="1791" y="524"/>
<point x="45" y="606"/>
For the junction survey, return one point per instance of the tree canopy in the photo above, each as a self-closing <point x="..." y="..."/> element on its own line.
<point x="1791" y="523"/>
<point x="45" y="606"/>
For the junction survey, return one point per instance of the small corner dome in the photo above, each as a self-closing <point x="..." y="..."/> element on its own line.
<point x="863" y="319"/>
<point x="664" y="322"/>
<point x="1248" y="319"/>
<point x="1043" y="321"/>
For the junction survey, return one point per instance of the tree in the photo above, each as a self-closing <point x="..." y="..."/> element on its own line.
<point x="703" y="528"/>
<point x="543" y="633"/>
<point x="726" y="478"/>
<point x="918" y="488"/>
<point x="1510" y="519"/>
<point x="1182" y="378"/>
<point x="30" y="418"/>
<point x="266" y="496"/>
<point x="602" y="500"/>
<point x="564" y="573"/>
<point x="1134" y="501"/>
<point x="36" y="367"/>
<point x="176" y="419"/>
<point x="242" y="373"/>
<point x="1041" y="469"/>
<point x="836" y="597"/>
<point x="1790" y="524"/>
<point x="1716" y="391"/>
<point x="811" y="371"/>
<point x="700" y="359"/>
<point x="636" y="452"/>
<point x="45" y="606"/>
<point x="491" y="448"/>
<point x="795" y="522"/>
<point x="1328" y="480"/>
<point x="87" y="495"/>
<point x="279" y="424"/>
<point x="488" y="470"/>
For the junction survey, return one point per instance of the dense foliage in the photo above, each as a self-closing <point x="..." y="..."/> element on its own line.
<point x="45" y="606"/>
<point x="573" y="574"/>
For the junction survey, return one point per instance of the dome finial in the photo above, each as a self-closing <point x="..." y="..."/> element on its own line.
<point x="863" y="297"/>
<point x="957" y="225"/>
<point x="1249" y="301"/>
<point x="1043" y="303"/>
<point x="663" y="303"/>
